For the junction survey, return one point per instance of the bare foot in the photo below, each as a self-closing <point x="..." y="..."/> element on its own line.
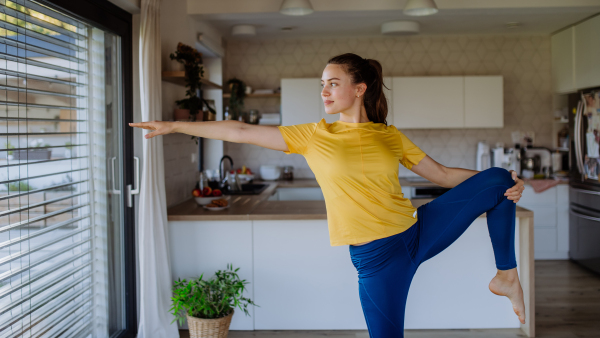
<point x="506" y="283"/>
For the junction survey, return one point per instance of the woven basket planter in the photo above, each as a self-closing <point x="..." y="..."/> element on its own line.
<point x="209" y="328"/>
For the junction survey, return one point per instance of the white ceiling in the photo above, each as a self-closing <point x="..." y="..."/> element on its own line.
<point x="364" y="18"/>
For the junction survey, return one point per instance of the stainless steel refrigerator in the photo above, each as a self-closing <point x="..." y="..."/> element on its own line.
<point x="584" y="183"/>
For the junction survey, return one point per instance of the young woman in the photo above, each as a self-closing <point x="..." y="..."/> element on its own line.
<point x="355" y="161"/>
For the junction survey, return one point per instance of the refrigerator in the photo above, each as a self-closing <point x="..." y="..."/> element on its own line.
<point x="584" y="183"/>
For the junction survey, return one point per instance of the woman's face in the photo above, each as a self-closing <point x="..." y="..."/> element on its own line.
<point x="338" y="92"/>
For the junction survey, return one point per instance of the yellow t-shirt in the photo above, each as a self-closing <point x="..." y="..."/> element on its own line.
<point x="356" y="166"/>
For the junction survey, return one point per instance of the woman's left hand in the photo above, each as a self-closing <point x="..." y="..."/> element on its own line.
<point x="516" y="191"/>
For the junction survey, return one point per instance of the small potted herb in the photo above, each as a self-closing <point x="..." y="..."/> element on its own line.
<point x="9" y="154"/>
<point x="68" y="149"/>
<point x="238" y="93"/>
<point x="208" y="305"/>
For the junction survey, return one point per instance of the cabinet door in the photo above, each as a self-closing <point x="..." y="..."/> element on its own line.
<point x="428" y="102"/>
<point x="300" y="99"/>
<point x="563" y="61"/>
<point x="484" y="102"/>
<point x="587" y="53"/>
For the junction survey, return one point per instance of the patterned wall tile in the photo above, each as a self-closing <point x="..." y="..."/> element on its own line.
<point x="524" y="62"/>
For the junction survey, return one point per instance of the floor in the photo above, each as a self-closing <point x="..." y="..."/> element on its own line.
<point x="567" y="306"/>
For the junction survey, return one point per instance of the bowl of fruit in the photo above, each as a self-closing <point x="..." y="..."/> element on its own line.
<point x="207" y="195"/>
<point x="245" y="174"/>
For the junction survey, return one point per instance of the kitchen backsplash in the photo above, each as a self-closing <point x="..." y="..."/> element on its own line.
<point x="524" y="62"/>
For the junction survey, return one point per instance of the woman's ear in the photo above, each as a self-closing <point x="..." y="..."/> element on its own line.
<point x="361" y="88"/>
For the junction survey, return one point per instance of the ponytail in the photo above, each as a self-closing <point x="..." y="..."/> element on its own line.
<point x="369" y="72"/>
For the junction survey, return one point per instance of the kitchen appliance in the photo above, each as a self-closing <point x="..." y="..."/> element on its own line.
<point x="270" y="172"/>
<point x="507" y="158"/>
<point x="483" y="156"/>
<point x="538" y="160"/>
<point x="584" y="185"/>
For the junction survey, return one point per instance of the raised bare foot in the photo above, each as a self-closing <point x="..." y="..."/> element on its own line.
<point x="506" y="283"/>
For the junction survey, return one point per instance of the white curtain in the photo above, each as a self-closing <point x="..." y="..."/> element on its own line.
<point x="155" y="270"/>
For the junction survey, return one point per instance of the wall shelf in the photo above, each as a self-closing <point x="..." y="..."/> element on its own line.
<point x="178" y="78"/>
<point x="228" y="95"/>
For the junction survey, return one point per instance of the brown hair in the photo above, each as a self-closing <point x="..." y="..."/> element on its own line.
<point x="369" y="72"/>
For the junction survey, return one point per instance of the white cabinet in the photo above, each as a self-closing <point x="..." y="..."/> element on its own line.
<point x="575" y="55"/>
<point x="300" y="101"/>
<point x="563" y="61"/>
<point x="587" y="53"/>
<point x="484" y="102"/>
<point x="550" y="220"/>
<point x="448" y="102"/>
<point x="428" y="102"/>
<point x="301" y="282"/>
<point x="205" y="247"/>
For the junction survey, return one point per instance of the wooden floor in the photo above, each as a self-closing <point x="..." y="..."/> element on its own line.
<point x="567" y="300"/>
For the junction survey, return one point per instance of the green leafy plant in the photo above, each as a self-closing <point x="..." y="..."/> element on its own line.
<point x="192" y="63"/>
<point x="21" y="186"/>
<point x="238" y="93"/>
<point x="9" y="145"/>
<point x="214" y="298"/>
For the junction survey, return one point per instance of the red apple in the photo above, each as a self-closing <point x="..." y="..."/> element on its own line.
<point x="197" y="193"/>
<point x="248" y="171"/>
<point x="239" y="171"/>
<point x="217" y="192"/>
<point x="207" y="191"/>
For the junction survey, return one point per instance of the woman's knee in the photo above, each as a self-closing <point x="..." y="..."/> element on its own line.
<point x="498" y="176"/>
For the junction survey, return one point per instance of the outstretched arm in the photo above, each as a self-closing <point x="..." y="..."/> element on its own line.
<point x="233" y="131"/>
<point x="451" y="177"/>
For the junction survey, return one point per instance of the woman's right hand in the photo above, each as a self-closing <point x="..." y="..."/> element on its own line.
<point x="159" y="127"/>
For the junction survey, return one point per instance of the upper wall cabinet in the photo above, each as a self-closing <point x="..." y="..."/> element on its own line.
<point x="300" y="101"/>
<point x="484" y="102"/>
<point x="428" y="102"/>
<point x="563" y="61"/>
<point x="575" y="55"/>
<point x="448" y="102"/>
<point x="587" y="53"/>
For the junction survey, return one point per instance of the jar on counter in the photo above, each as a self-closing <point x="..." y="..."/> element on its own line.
<point x="288" y="173"/>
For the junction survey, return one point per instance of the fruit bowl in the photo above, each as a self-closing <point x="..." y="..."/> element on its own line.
<point x="207" y="200"/>
<point x="245" y="178"/>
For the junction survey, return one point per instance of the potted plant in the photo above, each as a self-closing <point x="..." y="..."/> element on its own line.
<point x="208" y="305"/>
<point x="68" y="147"/>
<point x="194" y="71"/>
<point x="238" y="93"/>
<point x="35" y="154"/>
<point x="9" y="154"/>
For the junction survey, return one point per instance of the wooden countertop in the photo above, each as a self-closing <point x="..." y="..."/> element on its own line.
<point x="256" y="207"/>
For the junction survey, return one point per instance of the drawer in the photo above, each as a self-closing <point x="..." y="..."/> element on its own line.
<point x="530" y="197"/>
<point x="543" y="216"/>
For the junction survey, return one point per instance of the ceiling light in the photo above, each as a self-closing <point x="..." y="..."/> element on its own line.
<point x="400" y="28"/>
<point x="420" y="7"/>
<point x="296" y="7"/>
<point x="246" y="30"/>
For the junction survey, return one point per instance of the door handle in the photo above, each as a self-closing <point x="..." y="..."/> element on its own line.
<point x="580" y="215"/>
<point x="581" y="107"/>
<point x="136" y="191"/>
<point x="114" y="189"/>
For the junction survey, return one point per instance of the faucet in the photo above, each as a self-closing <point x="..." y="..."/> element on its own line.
<point x="221" y="167"/>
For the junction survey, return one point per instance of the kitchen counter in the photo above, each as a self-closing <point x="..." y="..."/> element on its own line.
<point x="256" y="207"/>
<point x="284" y="245"/>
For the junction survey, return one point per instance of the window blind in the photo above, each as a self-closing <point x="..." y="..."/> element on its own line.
<point x="53" y="208"/>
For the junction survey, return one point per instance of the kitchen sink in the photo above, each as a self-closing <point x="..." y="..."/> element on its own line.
<point x="247" y="189"/>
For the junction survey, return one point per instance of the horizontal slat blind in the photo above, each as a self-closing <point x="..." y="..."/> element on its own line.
<point x="46" y="224"/>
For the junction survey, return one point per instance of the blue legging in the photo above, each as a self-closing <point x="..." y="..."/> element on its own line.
<point x="386" y="266"/>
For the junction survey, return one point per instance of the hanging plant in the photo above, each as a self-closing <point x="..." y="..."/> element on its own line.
<point x="194" y="71"/>
<point x="238" y="93"/>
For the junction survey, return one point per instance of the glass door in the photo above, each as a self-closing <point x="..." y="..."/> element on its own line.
<point x="66" y="175"/>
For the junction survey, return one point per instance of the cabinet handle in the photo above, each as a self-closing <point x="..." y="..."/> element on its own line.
<point x="580" y="215"/>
